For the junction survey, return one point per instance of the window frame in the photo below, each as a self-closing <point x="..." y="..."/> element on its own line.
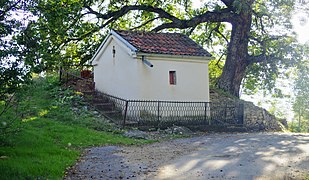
<point x="172" y="77"/>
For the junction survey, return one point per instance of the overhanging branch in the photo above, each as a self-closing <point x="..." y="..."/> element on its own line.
<point x="145" y="23"/>
<point x="262" y="58"/>
<point x="228" y="3"/>
<point x="223" y="15"/>
<point x="125" y="9"/>
<point x="9" y="8"/>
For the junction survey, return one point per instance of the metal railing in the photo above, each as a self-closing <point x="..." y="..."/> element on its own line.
<point x="162" y="114"/>
<point x="75" y="80"/>
<point x="158" y="114"/>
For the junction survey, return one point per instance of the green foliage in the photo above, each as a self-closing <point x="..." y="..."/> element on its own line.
<point x="10" y="123"/>
<point x="285" y="53"/>
<point x="12" y="72"/>
<point x="11" y="78"/>
<point x="67" y="32"/>
<point x="215" y="70"/>
<point x="297" y="127"/>
<point x="53" y="133"/>
<point x="301" y="103"/>
<point x="59" y="36"/>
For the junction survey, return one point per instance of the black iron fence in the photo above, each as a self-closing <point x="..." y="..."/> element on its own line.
<point x="159" y="114"/>
<point x="79" y="80"/>
<point x="162" y="114"/>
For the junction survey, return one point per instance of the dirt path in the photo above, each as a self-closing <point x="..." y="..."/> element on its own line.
<point x="214" y="156"/>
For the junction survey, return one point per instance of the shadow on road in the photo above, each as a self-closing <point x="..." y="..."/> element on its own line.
<point x="243" y="156"/>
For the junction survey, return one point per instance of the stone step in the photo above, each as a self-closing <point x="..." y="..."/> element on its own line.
<point x="236" y="129"/>
<point x="99" y="100"/>
<point x="88" y="93"/>
<point x="105" y="106"/>
<point x="111" y="112"/>
<point x="131" y="123"/>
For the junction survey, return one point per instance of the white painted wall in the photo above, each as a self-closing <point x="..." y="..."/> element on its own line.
<point x="192" y="79"/>
<point x="129" y="78"/>
<point x="192" y="84"/>
<point x="118" y="76"/>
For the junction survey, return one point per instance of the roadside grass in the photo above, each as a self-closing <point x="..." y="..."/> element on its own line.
<point x="50" y="135"/>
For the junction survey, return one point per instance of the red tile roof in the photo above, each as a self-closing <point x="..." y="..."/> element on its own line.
<point x="163" y="43"/>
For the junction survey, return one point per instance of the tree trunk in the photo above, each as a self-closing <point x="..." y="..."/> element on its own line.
<point x="237" y="54"/>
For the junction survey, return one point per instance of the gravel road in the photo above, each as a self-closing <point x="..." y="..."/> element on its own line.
<point x="213" y="156"/>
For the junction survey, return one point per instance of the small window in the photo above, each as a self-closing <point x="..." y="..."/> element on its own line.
<point x="172" y="75"/>
<point x="114" y="51"/>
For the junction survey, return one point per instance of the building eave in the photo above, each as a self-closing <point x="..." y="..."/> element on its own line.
<point x="130" y="46"/>
<point x="187" y="58"/>
<point x="108" y="38"/>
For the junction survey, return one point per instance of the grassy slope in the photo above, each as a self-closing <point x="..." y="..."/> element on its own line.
<point x="52" y="135"/>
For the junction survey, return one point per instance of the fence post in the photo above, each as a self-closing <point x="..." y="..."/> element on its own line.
<point x="209" y="117"/>
<point x="205" y="115"/>
<point x="158" y="113"/>
<point x="241" y="113"/>
<point x="125" y="114"/>
<point x="60" y="73"/>
<point x="67" y="79"/>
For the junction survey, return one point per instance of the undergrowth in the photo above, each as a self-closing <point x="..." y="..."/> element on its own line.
<point x="51" y="126"/>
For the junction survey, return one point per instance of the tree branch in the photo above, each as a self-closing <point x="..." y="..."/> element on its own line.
<point x="218" y="61"/>
<point x="143" y="24"/>
<point x="257" y="59"/>
<point x="262" y="58"/>
<point x="125" y="9"/>
<point x="259" y="19"/>
<point x="2" y="13"/>
<point x="263" y="42"/>
<point x="217" y="30"/>
<point x="223" y="15"/>
<point x="7" y="104"/>
<point x="228" y="3"/>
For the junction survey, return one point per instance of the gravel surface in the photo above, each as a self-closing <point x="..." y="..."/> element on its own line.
<point x="212" y="156"/>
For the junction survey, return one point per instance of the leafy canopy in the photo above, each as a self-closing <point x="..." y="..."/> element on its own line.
<point x="12" y="68"/>
<point x="67" y="32"/>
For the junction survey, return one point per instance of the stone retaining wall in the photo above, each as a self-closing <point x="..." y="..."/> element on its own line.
<point x="258" y="119"/>
<point x="255" y="118"/>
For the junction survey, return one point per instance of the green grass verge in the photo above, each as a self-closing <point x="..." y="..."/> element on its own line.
<point x="52" y="135"/>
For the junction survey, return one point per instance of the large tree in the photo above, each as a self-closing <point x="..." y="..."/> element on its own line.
<point x="255" y="32"/>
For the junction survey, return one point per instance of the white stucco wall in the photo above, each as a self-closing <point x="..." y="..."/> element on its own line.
<point x="129" y="78"/>
<point x="192" y="84"/>
<point x="117" y="76"/>
<point x="192" y="79"/>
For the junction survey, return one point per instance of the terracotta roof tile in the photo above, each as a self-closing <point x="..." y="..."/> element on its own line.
<point x="163" y="43"/>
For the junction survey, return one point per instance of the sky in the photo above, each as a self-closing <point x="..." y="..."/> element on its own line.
<point x="301" y="26"/>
